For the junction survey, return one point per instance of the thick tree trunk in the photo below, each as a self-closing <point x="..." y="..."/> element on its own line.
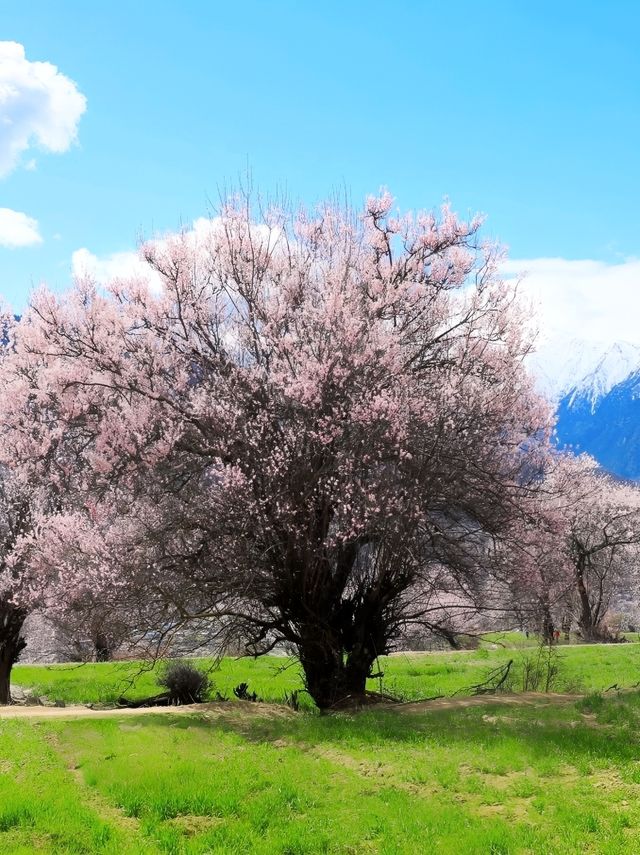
<point x="103" y="647"/>
<point x="333" y="676"/>
<point x="340" y="632"/>
<point x="338" y="658"/>
<point x="11" y="645"/>
<point x="547" y="628"/>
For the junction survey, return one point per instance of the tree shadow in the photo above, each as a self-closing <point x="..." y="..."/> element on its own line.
<point x="544" y="732"/>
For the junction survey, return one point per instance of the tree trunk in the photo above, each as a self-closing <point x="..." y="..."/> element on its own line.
<point x="339" y="634"/>
<point x="11" y="645"/>
<point x="589" y="623"/>
<point x="103" y="648"/>
<point x="333" y="676"/>
<point x="547" y="628"/>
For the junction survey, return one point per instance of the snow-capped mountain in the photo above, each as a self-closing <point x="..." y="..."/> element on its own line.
<point x="614" y="367"/>
<point x="587" y="369"/>
<point x="599" y="411"/>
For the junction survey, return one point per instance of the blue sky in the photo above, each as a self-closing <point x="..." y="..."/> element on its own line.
<point x="529" y="112"/>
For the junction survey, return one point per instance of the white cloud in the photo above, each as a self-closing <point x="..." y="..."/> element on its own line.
<point x="585" y="301"/>
<point x="38" y="105"/>
<point x="118" y="265"/>
<point x="122" y="265"/>
<point x="17" y="229"/>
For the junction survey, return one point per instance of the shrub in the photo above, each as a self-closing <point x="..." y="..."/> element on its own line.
<point x="185" y="683"/>
<point x="540" y="670"/>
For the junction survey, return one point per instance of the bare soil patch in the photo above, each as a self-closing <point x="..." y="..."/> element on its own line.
<point x="243" y="709"/>
<point x="239" y="709"/>
<point x="522" y="699"/>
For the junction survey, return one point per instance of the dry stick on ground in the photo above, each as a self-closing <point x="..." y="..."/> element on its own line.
<point x="494" y="682"/>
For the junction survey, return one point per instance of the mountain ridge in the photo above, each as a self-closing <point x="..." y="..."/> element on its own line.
<point x="600" y="412"/>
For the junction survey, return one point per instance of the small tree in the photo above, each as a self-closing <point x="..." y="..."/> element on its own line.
<point x="603" y="543"/>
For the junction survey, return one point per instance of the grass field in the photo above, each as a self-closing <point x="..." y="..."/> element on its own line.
<point x="582" y="668"/>
<point x="511" y="779"/>
<point x="484" y="779"/>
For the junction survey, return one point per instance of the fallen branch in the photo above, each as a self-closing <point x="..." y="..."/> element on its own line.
<point x="494" y="682"/>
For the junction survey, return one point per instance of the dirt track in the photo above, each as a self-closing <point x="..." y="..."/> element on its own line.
<point x="523" y="699"/>
<point x="277" y="710"/>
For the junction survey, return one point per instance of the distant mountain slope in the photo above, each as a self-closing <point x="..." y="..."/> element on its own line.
<point x="600" y="413"/>
<point x="587" y="368"/>
<point x="607" y="428"/>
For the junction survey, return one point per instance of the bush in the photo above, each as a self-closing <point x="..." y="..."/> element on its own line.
<point x="540" y="670"/>
<point x="185" y="683"/>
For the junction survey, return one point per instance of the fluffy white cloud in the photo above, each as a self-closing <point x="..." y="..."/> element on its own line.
<point x="17" y="229"/>
<point x="38" y="105"/>
<point x="118" y="265"/>
<point x="586" y="299"/>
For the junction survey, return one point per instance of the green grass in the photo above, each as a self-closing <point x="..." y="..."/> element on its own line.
<point x="40" y="806"/>
<point x="582" y="668"/>
<point x="484" y="779"/>
<point x="480" y="779"/>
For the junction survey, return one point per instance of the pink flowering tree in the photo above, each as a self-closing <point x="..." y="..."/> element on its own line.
<point x="602" y="542"/>
<point x="294" y="426"/>
<point x="530" y="563"/>
<point x="576" y="545"/>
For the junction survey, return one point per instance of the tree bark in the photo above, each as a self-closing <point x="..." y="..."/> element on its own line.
<point x="337" y="658"/>
<point x="11" y="645"/>
<point x="103" y="648"/>
<point x="589" y="624"/>
<point x="547" y="628"/>
<point x="333" y="676"/>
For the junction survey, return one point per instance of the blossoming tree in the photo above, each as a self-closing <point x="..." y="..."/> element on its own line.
<point x="15" y="576"/>
<point x="574" y="548"/>
<point x="292" y="426"/>
<point x="602" y="541"/>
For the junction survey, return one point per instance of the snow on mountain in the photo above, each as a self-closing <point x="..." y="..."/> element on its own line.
<point x="615" y="365"/>
<point x="598" y="410"/>
<point x="585" y="370"/>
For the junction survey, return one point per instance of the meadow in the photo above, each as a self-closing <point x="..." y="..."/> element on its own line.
<point x="548" y="776"/>
<point x="409" y="676"/>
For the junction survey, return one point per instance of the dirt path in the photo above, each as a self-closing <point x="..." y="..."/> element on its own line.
<point x="244" y="709"/>
<point x="523" y="699"/>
